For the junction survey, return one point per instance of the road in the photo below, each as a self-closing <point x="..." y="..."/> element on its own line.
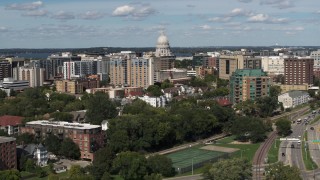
<point x="191" y="177"/>
<point x="293" y="155"/>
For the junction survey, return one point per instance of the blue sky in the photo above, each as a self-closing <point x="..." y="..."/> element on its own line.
<point x="137" y="23"/>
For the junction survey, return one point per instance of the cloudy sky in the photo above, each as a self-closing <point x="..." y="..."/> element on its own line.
<point x="137" y="23"/>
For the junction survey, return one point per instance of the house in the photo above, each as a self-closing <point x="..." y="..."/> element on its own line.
<point x="37" y="152"/>
<point x="292" y="99"/>
<point x="10" y="124"/>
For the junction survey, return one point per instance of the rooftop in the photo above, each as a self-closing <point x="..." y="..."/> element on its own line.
<point x="295" y="94"/>
<point x="6" y="139"/>
<point x="63" y="124"/>
<point x="8" y="120"/>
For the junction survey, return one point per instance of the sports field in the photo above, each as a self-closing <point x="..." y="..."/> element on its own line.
<point x="186" y="157"/>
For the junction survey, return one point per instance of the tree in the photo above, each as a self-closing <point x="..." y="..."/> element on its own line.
<point x="52" y="144"/>
<point x="283" y="127"/>
<point x="166" y="84"/>
<point x="102" y="162"/>
<point x="75" y="171"/>
<point x="56" y="105"/>
<point x="3" y="133"/>
<point x="99" y="108"/>
<point x="154" y="90"/>
<point x="161" y="164"/>
<point x="130" y="165"/>
<point x="229" y="169"/>
<point x="267" y="105"/>
<point x="10" y="175"/>
<point x="29" y="165"/>
<point x="279" y="171"/>
<point x="3" y="95"/>
<point x="62" y="116"/>
<point x="69" y="149"/>
<point x="275" y="91"/>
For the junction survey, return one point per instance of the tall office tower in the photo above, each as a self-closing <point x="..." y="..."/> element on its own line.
<point x="118" y="71"/>
<point x="103" y="68"/>
<point x="5" y="69"/>
<point x="54" y="64"/>
<point x="77" y="69"/>
<point x="164" y="58"/>
<point x="34" y="75"/>
<point x="229" y="64"/>
<point x="8" y="155"/>
<point x="199" y="59"/>
<point x="248" y="84"/>
<point x="298" y="71"/>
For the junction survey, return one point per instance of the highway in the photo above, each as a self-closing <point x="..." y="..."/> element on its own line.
<point x="293" y="155"/>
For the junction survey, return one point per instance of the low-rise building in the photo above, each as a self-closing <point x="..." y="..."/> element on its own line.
<point x="69" y="86"/>
<point x="10" y="124"/>
<point x="155" y="101"/>
<point x="88" y="137"/>
<point x="34" y="151"/>
<point x="286" y="88"/>
<point x="9" y="84"/>
<point x="8" y="153"/>
<point x="292" y="99"/>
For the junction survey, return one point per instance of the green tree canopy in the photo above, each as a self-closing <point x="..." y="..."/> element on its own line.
<point x="283" y="127"/>
<point x="99" y="108"/>
<point x="10" y="175"/>
<point x="279" y="171"/>
<point x="160" y="164"/>
<point x="231" y="169"/>
<point x="69" y="149"/>
<point x="130" y="165"/>
<point x="154" y="90"/>
<point x="53" y="144"/>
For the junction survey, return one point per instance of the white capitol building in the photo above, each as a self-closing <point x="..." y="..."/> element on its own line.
<point x="163" y="46"/>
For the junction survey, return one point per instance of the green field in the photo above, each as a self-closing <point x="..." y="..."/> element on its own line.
<point x="186" y="157"/>
<point x="245" y="150"/>
<point x="274" y="151"/>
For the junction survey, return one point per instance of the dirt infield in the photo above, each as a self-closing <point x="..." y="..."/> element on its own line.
<point x="219" y="149"/>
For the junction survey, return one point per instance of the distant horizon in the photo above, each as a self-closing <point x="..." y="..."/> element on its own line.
<point x="80" y="23"/>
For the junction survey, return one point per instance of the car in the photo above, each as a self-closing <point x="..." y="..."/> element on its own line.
<point x="311" y="128"/>
<point x="299" y="136"/>
<point x="292" y="145"/>
<point x="293" y="122"/>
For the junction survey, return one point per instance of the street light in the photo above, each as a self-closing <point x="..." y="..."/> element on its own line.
<point x="314" y="176"/>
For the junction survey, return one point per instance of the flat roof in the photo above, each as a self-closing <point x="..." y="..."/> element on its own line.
<point x="4" y="139"/>
<point x="63" y="124"/>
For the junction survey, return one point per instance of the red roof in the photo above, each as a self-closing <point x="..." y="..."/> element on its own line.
<point x="8" y="120"/>
<point x="224" y="102"/>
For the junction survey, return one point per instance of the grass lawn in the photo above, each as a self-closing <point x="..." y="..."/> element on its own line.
<point x="308" y="162"/>
<point x="315" y="120"/>
<point x="245" y="150"/>
<point x="274" y="151"/>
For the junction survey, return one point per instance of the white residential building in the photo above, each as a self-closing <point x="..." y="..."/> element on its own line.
<point x="292" y="99"/>
<point x="273" y="64"/>
<point x="34" y="75"/>
<point x="155" y="101"/>
<point x="316" y="56"/>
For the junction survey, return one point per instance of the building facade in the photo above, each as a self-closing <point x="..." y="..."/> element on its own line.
<point x="229" y="64"/>
<point x="5" y="69"/>
<point x="79" y="69"/>
<point x="69" y="86"/>
<point x="8" y="153"/>
<point x="298" y="71"/>
<point x="315" y="55"/>
<point x="248" y="84"/>
<point x="292" y="99"/>
<point x="34" y="75"/>
<point x="10" y="124"/>
<point x="88" y="137"/>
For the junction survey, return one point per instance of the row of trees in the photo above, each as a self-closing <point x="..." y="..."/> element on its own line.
<point x="242" y="169"/>
<point x="65" y="148"/>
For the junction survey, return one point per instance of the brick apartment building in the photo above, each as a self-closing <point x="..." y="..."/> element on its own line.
<point x="88" y="137"/>
<point x="8" y="155"/>
<point x="298" y="71"/>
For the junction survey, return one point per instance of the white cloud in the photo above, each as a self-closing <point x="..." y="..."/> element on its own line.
<point x="281" y="4"/>
<point x="220" y="19"/>
<point x="25" y="6"/>
<point x="63" y="15"/>
<point x="245" y="1"/>
<point x="239" y="12"/>
<point x="90" y="15"/>
<point x="123" y="10"/>
<point x="36" y="13"/>
<point x="205" y="27"/>
<point x="265" y="18"/>
<point x="3" y="29"/>
<point x="134" y="12"/>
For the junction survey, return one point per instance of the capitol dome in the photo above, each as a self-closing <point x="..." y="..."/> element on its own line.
<point x="163" y="46"/>
<point x="163" y="39"/>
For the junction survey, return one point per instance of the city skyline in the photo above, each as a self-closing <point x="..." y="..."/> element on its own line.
<point x="98" y="23"/>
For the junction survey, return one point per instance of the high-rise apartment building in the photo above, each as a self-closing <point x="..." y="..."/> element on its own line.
<point x="88" y="137"/>
<point x="5" y="69"/>
<point x="8" y="155"/>
<point x="34" y="75"/>
<point x="248" y="84"/>
<point x="135" y="72"/>
<point x="78" y="69"/>
<point x="298" y="71"/>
